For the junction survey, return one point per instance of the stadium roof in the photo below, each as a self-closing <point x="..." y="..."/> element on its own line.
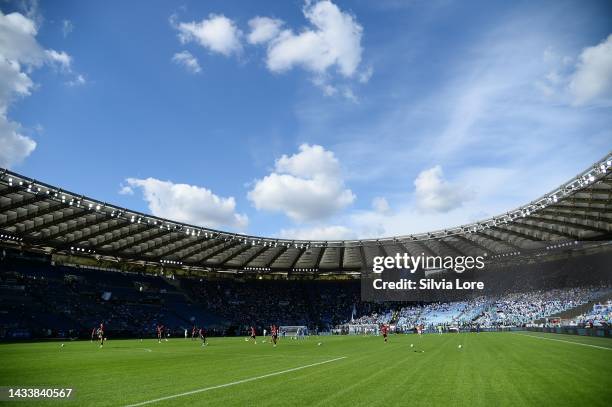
<point x="36" y="215"/>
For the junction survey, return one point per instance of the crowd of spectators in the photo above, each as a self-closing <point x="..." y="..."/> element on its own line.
<point x="508" y="310"/>
<point x="599" y="316"/>
<point x="45" y="300"/>
<point x="70" y="302"/>
<point x="317" y="305"/>
<point x="40" y="299"/>
<point x="519" y="309"/>
<point x="376" y="318"/>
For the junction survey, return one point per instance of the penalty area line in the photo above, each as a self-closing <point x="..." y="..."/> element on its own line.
<point x="561" y="340"/>
<point x="219" y="386"/>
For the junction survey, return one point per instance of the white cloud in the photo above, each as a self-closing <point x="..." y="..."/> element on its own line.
<point x="311" y="160"/>
<point x="15" y="146"/>
<point x="217" y="33"/>
<point x="18" y="40"/>
<point x="20" y="53"/>
<point x="60" y="58"/>
<point x="13" y="82"/>
<point x="593" y="76"/>
<point x="380" y="205"/>
<point x="333" y="232"/>
<point x="187" y="60"/>
<point x="263" y="29"/>
<point x="333" y="40"/>
<point x="306" y="186"/>
<point x="494" y="136"/>
<point x="126" y="190"/>
<point x="189" y="203"/>
<point x="434" y="194"/>
<point x="67" y="27"/>
<point x="329" y="48"/>
<point x="490" y="188"/>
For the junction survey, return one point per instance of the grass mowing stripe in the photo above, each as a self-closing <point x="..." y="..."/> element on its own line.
<point x="561" y="340"/>
<point x="234" y="383"/>
<point x="359" y="383"/>
<point x="501" y="369"/>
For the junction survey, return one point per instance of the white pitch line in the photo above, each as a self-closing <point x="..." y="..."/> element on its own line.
<point x="561" y="340"/>
<point x="219" y="386"/>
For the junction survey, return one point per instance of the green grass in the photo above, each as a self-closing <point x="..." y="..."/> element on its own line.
<point x="491" y="369"/>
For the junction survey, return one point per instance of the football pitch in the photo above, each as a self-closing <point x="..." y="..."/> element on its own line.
<point x="512" y="369"/>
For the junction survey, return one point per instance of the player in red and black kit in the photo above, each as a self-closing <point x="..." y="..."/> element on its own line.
<point x="274" y="333"/>
<point x="160" y="333"/>
<point x="202" y="333"/>
<point x="253" y="335"/>
<point x="385" y="330"/>
<point x="194" y="330"/>
<point x="101" y="334"/>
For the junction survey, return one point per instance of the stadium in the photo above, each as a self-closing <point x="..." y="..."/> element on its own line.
<point x="179" y="299"/>
<point x="70" y="261"/>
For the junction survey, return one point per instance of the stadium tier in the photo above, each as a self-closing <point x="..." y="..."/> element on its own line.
<point x="42" y="217"/>
<point x="41" y="299"/>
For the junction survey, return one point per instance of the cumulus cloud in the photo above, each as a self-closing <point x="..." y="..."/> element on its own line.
<point x="188" y="203"/>
<point x="334" y="40"/>
<point x="435" y="194"/>
<point x="15" y="146"/>
<point x="13" y="82"/>
<point x="329" y="48"/>
<point x="263" y="29"/>
<point x="217" y="33"/>
<point x="593" y="76"/>
<point x="188" y="61"/>
<point x="62" y="59"/>
<point x="306" y="186"/>
<point x="18" y="39"/>
<point x="334" y="232"/>
<point x="20" y="53"/>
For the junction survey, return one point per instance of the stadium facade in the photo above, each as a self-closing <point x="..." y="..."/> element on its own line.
<point x="46" y="218"/>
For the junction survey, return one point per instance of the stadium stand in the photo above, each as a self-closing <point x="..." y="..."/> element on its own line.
<point x="49" y="218"/>
<point x="39" y="299"/>
<point x="70" y="261"/>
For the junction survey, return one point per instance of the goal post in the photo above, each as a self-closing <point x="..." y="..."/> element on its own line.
<point x="293" y="331"/>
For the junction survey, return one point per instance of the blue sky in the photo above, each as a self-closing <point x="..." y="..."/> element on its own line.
<point x="318" y="119"/>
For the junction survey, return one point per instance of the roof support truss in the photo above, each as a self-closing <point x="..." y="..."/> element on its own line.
<point x="46" y="225"/>
<point x="53" y="207"/>
<point x="95" y="220"/>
